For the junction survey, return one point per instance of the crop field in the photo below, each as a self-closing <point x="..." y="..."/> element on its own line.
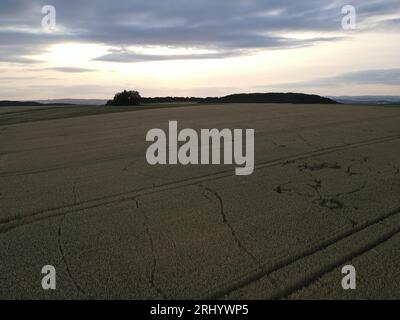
<point x="76" y="192"/>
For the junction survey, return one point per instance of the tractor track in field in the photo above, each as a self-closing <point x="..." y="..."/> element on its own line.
<point x="7" y="224"/>
<point x="285" y="292"/>
<point x="267" y="163"/>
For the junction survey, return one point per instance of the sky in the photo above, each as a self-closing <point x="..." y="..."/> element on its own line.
<point x="197" y="48"/>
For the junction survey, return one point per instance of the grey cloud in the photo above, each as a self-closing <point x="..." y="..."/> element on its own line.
<point x="17" y="78"/>
<point x="70" y="69"/>
<point x="17" y="59"/>
<point x="391" y="23"/>
<point x="47" y="91"/>
<point x="224" y="26"/>
<point x="126" y="56"/>
<point x="386" y="77"/>
<point x="18" y="46"/>
<point x="389" y="77"/>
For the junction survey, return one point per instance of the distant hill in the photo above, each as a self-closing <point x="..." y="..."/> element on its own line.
<point x="171" y="100"/>
<point x="296" y="98"/>
<point x="367" y="99"/>
<point x="18" y="103"/>
<point x="246" y="98"/>
<point x="53" y="102"/>
<point x="7" y="103"/>
<point x="99" y="102"/>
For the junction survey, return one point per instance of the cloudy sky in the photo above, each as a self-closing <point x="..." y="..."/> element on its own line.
<point x="198" y="47"/>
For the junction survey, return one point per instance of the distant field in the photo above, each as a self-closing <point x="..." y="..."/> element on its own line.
<point x="14" y="115"/>
<point x="77" y="193"/>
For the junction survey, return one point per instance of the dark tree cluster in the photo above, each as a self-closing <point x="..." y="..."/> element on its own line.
<point x="295" y="98"/>
<point x="132" y="98"/>
<point x="125" y="98"/>
<point x="172" y="100"/>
